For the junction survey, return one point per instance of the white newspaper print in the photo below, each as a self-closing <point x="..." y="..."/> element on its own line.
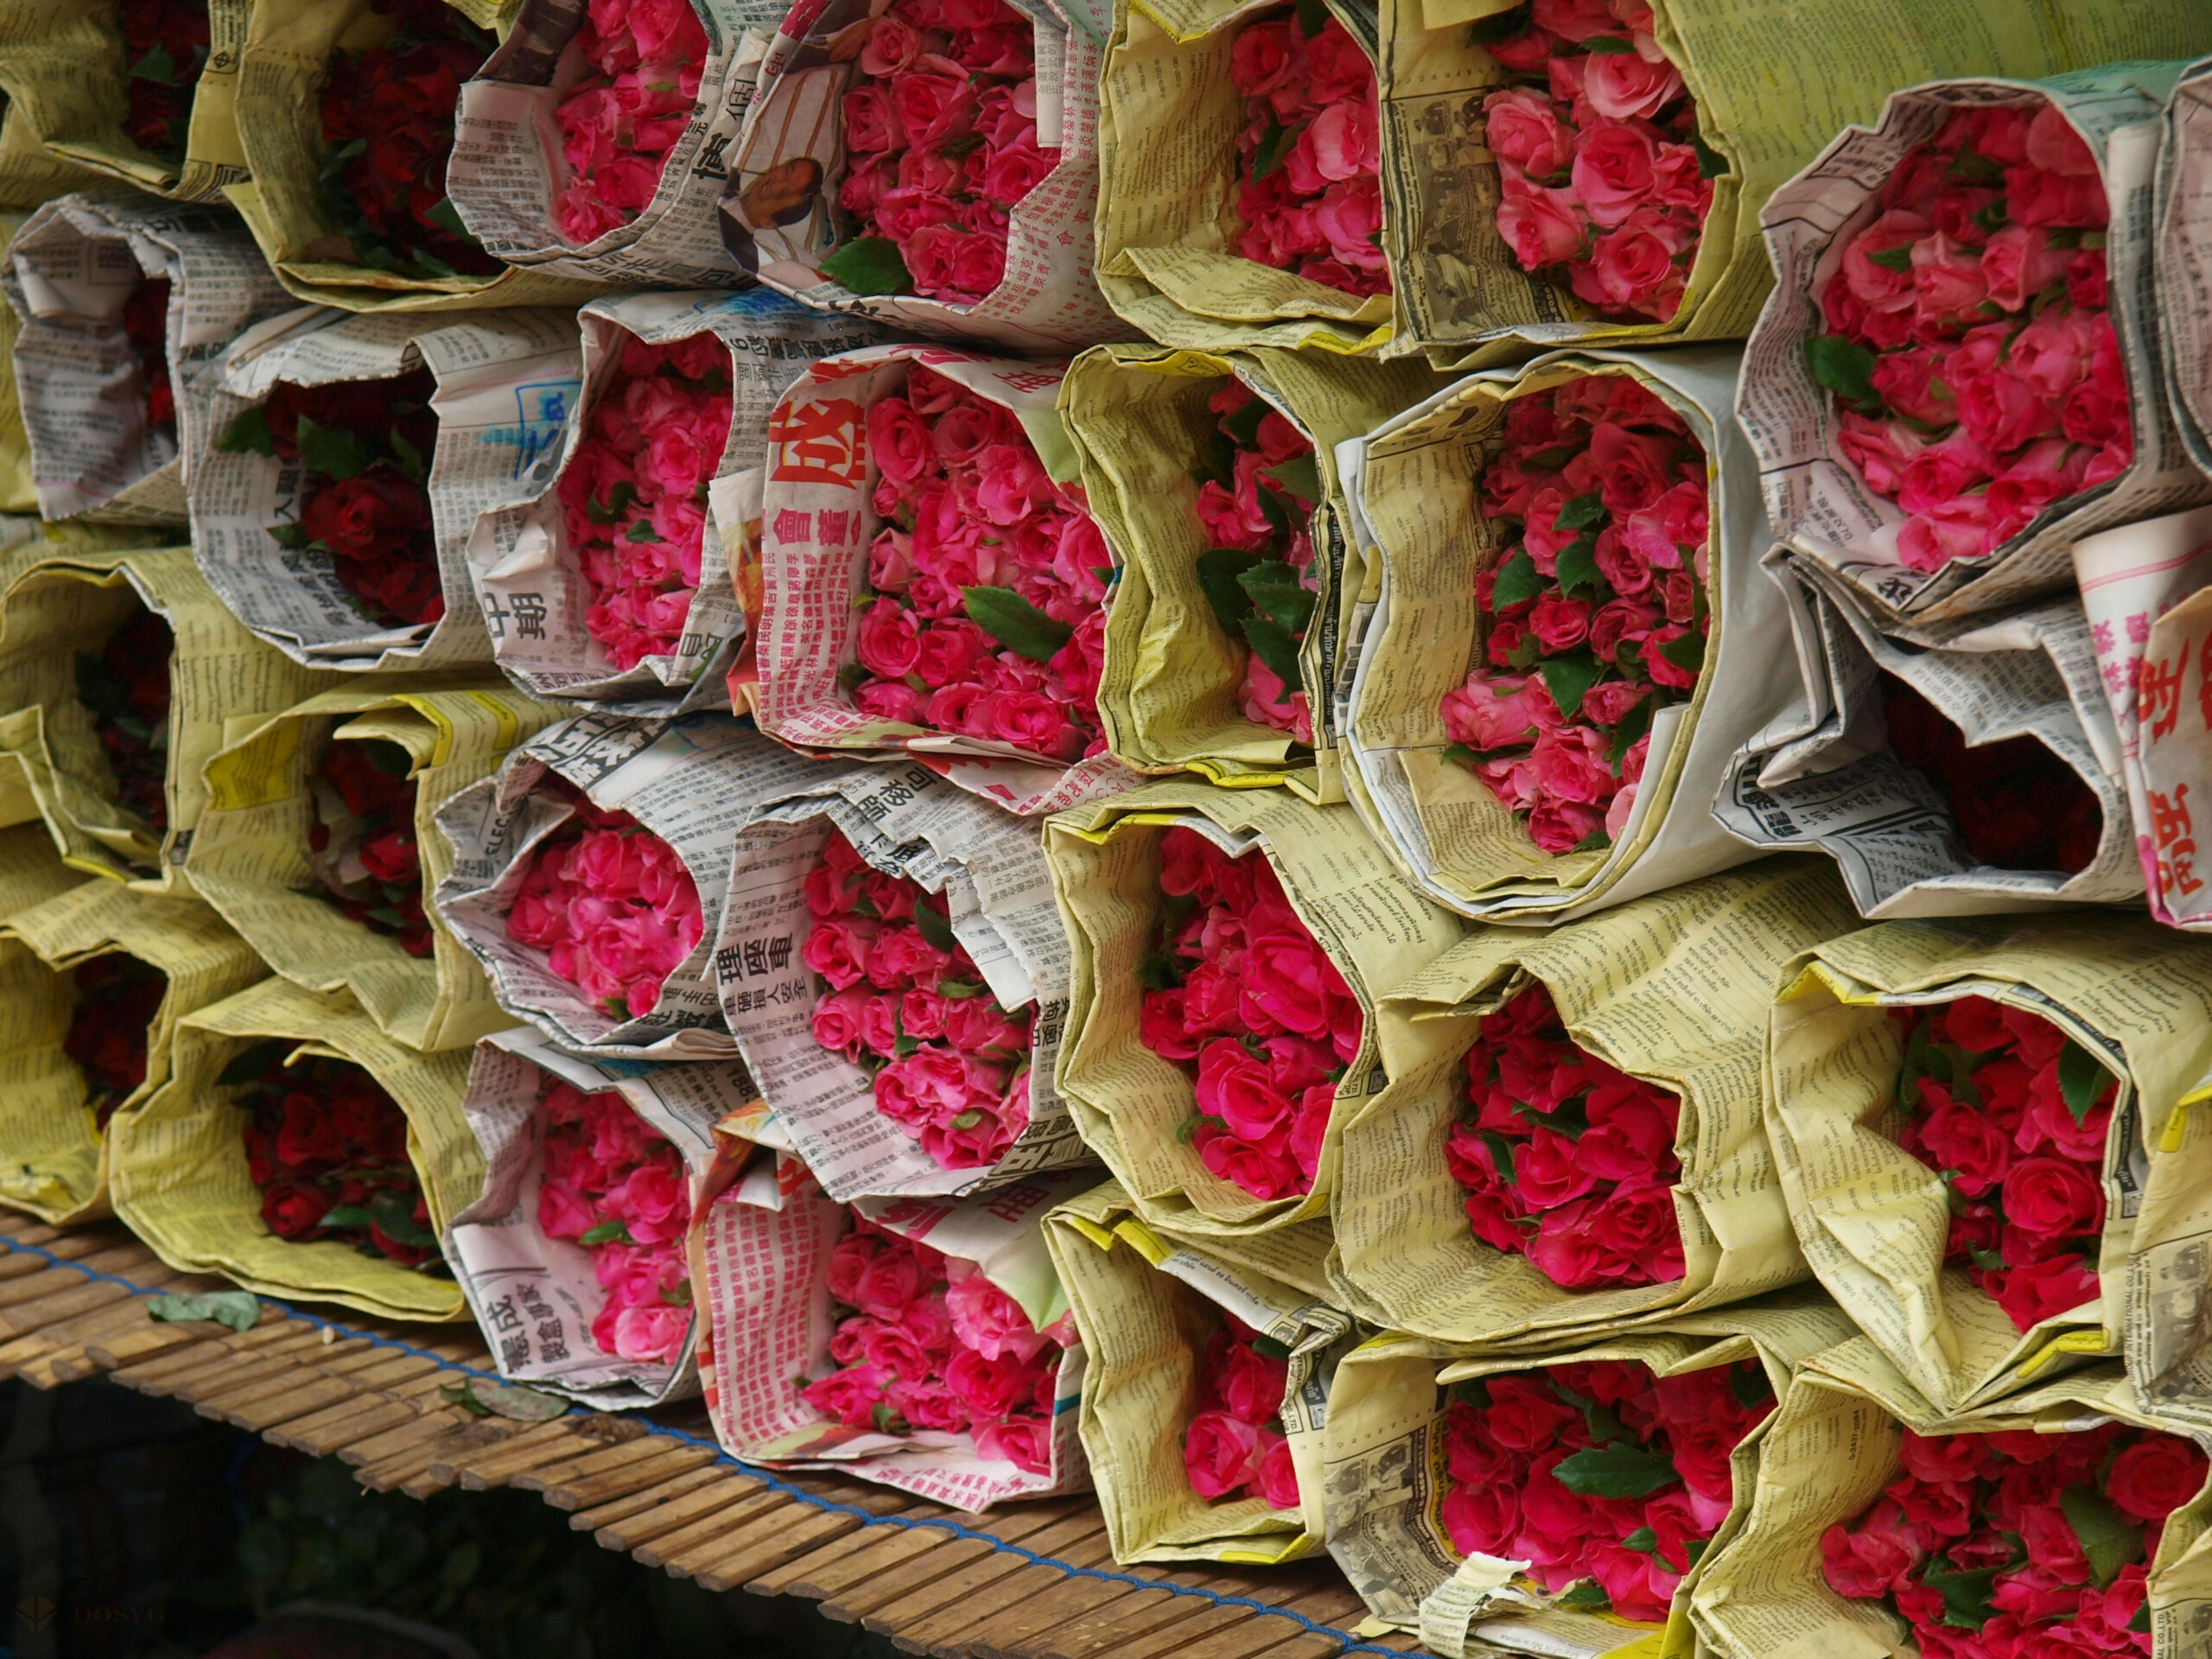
<point x="71" y="270"/>
<point x="1824" y="776"/>
<point x="693" y="782"/>
<point x="766" y="1276"/>
<point x="506" y="382"/>
<point x="905" y="821"/>
<point x="535" y="1297"/>
<point x="507" y="164"/>
<point x="1818" y="502"/>
<point x="532" y="588"/>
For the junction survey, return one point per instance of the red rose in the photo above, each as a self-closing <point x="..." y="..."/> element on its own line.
<point x="2053" y="1199"/>
<point x="293" y="1209"/>
<point x="2155" y="1477"/>
<point x="1959" y="1138"/>
<point x="1250" y="1384"/>
<point x="2044" y="1290"/>
<point x="1873" y="1557"/>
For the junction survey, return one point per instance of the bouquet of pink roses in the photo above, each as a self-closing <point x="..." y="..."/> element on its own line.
<point x="905" y="1002"/>
<point x="643" y="60"/>
<point x="1593" y="612"/>
<point x="1244" y="1001"/>
<point x="1604" y="178"/>
<point x="924" y="578"/>
<point x="1231" y="1449"/>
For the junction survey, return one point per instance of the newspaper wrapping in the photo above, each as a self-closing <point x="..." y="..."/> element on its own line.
<point x="908" y="822"/>
<point x="535" y="1297"/>
<point x="284" y="66"/>
<point x="67" y="69"/>
<point x="778" y="212"/>
<point x="17" y="495"/>
<point x="30" y="173"/>
<point x="1827" y="1454"/>
<point x="1671" y="989"/>
<point x="760" y="1242"/>
<point x="1384" y="1450"/>
<point x="1419" y="539"/>
<point x="1819" y="502"/>
<point x="531" y="582"/>
<point x="250" y="855"/>
<point x="1139" y="420"/>
<point x="1770" y="91"/>
<point x="1874" y="1221"/>
<point x="817" y="518"/>
<point x="57" y="1166"/>
<point x="57" y="605"/>
<point x="1129" y="1103"/>
<point x="71" y="271"/>
<point x="1823" y="775"/>
<point x="1146" y="1312"/>
<point x="2183" y="260"/>
<point x="508" y="167"/>
<point x="2131" y="579"/>
<point x="693" y="782"/>
<point x="177" y="1170"/>
<point x="505" y="384"/>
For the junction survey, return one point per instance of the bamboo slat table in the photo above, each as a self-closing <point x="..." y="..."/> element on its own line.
<point x="1025" y="1581"/>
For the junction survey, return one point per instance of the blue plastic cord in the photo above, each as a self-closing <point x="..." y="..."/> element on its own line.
<point x="768" y="1477"/>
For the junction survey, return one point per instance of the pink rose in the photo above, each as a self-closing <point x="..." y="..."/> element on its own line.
<point x="976" y="1025"/>
<point x="1265" y="1174"/>
<point x="1237" y="1089"/>
<point x="561" y="1213"/>
<point x="1939" y="472"/>
<point x="1612" y="170"/>
<point x="1957" y="529"/>
<point x="1947" y="284"/>
<point x="2044" y="471"/>
<point x="1878" y="287"/>
<point x="1571" y="765"/>
<point x="890" y="700"/>
<point x="1220" y="1454"/>
<point x="1024" y="1442"/>
<point x="1290" y="983"/>
<point x="848" y="1396"/>
<point x="2057" y="349"/>
<point x="2018" y="262"/>
<point x="1914" y="384"/>
<point x="991" y="1322"/>
<point x="933" y="100"/>
<point x="1261" y="58"/>
<point x="886" y="642"/>
<point x="1278" y="1475"/>
<point x="1524" y="133"/>
<point x="1879" y="450"/>
<point x="1541" y="225"/>
<point x="1879" y="1555"/>
<point x="1624" y="87"/>
<point x="1559" y="622"/>
<point x="989" y="1386"/>
<point x="897" y="440"/>
<point x="652" y="1335"/>
<point x="836" y="948"/>
<point x="885" y="1286"/>
<point x="1340" y="142"/>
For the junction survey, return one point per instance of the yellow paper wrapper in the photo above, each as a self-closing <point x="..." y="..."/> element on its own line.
<point x="177" y="1165"/>
<point x="251" y="858"/>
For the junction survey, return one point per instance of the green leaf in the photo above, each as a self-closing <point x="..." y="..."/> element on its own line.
<point x="1577" y="567"/>
<point x="1568" y="677"/>
<point x="2081" y="1078"/>
<point x="2108" y="1538"/>
<point x="1274" y="590"/>
<point x="1644" y="1541"/>
<point x="1243" y="426"/>
<point x="1608" y="44"/>
<point x="869" y="264"/>
<point x="1632" y="725"/>
<point x="1988" y="1260"/>
<point x="1501" y="27"/>
<point x="1516" y="582"/>
<point x="516" y="1404"/>
<point x="2142" y="1619"/>
<point x="395" y="1218"/>
<point x="1596" y="841"/>
<point x="291" y="536"/>
<point x="1750" y="1385"/>
<point x="887" y="1419"/>
<point x="247" y="1066"/>
<point x="156" y="65"/>
<point x="1275" y="141"/>
<point x="1015" y="622"/>
<point x="1299" y="476"/>
<point x="1219" y="571"/>
<point x="1581" y="513"/>
<point x="930" y="923"/>
<point x="1588" y="1597"/>
<point x="1898" y="259"/>
<point x="1159" y="972"/>
<point x="332" y="450"/>
<point x="238" y="1309"/>
<point x="1686" y="651"/>
<point x="447" y="217"/>
<point x="248" y="432"/>
<point x="346" y="1215"/>
<point x="1844" y="366"/>
<point x="1570" y="1119"/>
<point x="1615" y="1471"/>
<point x="1711" y="163"/>
<point x="460" y="1393"/>
<point x="1274" y="646"/>
<point x="1967" y="1605"/>
<point x="1266" y="1344"/>
<point x="411" y="457"/>
<point x="606" y="1232"/>
<point x="624" y="493"/>
<point x="642" y="531"/>
<point x="1501" y="1155"/>
<point x="1313" y="17"/>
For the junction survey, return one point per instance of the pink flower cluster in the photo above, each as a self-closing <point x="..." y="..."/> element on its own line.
<point x="618" y="124"/>
<point x="2014" y="1113"/>
<point x="2019" y="1545"/>
<point x="617" y="1187"/>
<point x="610" y="903"/>
<point x="932" y="1344"/>
<point x="1593" y="613"/>
<point x="1565" y="1160"/>
<point x="989" y="616"/>
<point x="1599" y="1471"/>
<point x="1310" y="153"/>
<point x="1976" y="374"/>
<point x="1605" y="181"/>
<point x="941" y="144"/>
<point x="633" y="496"/>
<point x="1244" y="1000"/>
<point x="950" y="1066"/>
<point x="1258" y="573"/>
<point x="1234" y="1447"/>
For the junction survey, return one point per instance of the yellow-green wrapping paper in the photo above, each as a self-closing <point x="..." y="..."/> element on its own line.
<point x="29" y="173"/>
<point x="56" y="603"/>
<point x="249" y="858"/>
<point x="1384" y="1453"/>
<point x="66" y="69"/>
<point x="1673" y="989"/>
<point x="1129" y="1103"/>
<point x="56" y="1164"/>
<point x="1148" y="1305"/>
<point x="38" y="1083"/>
<point x="1827" y="1454"/>
<point x="285" y="66"/>
<point x="177" y="1165"/>
<point x="1873" y="1220"/>
<point x="1167" y="692"/>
